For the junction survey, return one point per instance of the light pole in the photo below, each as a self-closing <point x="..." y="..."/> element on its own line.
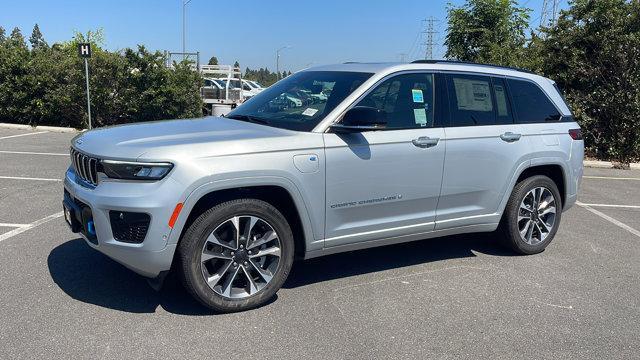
<point x="278" y="59"/>
<point x="184" y="26"/>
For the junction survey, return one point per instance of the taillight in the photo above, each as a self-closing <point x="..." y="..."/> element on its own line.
<point x="576" y="134"/>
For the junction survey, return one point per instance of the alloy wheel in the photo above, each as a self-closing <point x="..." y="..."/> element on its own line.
<point x="240" y="256"/>
<point x="536" y="215"/>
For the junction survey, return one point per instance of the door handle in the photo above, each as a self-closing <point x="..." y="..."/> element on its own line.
<point x="510" y="137"/>
<point x="425" y="142"/>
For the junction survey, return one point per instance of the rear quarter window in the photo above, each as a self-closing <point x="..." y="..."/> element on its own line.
<point x="531" y="104"/>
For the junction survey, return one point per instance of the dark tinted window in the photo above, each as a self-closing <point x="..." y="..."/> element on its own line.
<point x="503" y="107"/>
<point x="530" y="103"/>
<point x="471" y="101"/>
<point x="406" y="99"/>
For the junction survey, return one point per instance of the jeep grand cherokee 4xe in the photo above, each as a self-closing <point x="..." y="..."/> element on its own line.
<point x="369" y="155"/>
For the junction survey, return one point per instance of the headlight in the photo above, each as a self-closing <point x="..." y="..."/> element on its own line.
<point x="135" y="170"/>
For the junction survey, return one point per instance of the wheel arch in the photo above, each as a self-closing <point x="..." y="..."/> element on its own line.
<point x="553" y="170"/>
<point x="279" y="192"/>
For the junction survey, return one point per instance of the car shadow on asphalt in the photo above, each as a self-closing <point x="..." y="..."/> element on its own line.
<point x="89" y="276"/>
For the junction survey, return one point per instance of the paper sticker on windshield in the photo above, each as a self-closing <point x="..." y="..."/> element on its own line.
<point x="417" y="95"/>
<point x="309" y="112"/>
<point x="421" y="117"/>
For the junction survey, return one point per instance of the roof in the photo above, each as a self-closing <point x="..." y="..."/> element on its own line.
<point x="442" y="65"/>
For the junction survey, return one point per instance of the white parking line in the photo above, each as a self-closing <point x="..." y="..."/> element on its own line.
<point x="20" y="230"/>
<point x="613" y="206"/>
<point x="610" y="219"/>
<point x="19" y="135"/>
<point x="609" y="178"/>
<point x="31" y="153"/>
<point x="12" y="225"/>
<point x="27" y="178"/>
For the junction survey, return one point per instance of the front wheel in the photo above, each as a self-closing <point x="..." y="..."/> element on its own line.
<point x="236" y="255"/>
<point x="532" y="215"/>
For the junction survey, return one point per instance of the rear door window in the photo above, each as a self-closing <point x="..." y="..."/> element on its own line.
<point x="531" y="104"/>
<point x="470" y="100"/>
<point x="503" y="107"/>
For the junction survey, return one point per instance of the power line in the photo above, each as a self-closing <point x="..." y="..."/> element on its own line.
<point x="549" y="13"/>
<point x="429" y="31"/>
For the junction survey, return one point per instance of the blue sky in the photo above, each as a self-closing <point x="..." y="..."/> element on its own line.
<point x="319" y="31"/>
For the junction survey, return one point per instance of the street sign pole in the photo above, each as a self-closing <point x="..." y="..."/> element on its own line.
<point x="84" y="50"/>
<point x="86" y="74"/>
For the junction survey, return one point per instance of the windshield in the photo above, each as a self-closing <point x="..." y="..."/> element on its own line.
<point x="300" y="101"/>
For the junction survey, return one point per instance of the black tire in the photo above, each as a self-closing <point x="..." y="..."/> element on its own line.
<point x="509" y="229"/>
<point x="191" y="245"/>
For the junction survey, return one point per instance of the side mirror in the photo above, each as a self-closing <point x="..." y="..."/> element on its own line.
<point x="361" y="118"/>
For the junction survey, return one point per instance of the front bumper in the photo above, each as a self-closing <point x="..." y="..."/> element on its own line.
<point x="157" y="199"/>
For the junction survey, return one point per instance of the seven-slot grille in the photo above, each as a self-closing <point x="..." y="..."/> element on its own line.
<point x="85" y="166"/>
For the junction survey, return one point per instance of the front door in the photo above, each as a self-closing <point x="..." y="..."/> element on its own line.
<point x="384" y="184"/>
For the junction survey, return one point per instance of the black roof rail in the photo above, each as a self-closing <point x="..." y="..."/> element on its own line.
<point x="458" y="62"/>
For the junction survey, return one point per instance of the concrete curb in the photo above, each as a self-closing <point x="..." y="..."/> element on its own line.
<point x="607" y="164"/>
<point x="39" y="128"/>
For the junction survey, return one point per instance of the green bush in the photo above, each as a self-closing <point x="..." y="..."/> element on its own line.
<point x="46" y="85"/>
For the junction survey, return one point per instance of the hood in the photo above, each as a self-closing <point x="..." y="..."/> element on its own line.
<point x="203" y="137"/>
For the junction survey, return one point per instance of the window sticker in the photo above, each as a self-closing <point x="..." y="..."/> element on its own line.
<point x="309" y="112"/>
<point x="473" y="95"/>
<point x="420" y="116"/>
<point x="417" y="95"/>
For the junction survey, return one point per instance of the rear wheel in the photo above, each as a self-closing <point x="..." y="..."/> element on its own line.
<point x="532" y="215"/>
<point x="236" y="255"/>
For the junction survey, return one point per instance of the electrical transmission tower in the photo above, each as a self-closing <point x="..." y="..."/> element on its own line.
<point x="428" y="39"/>
<point x="549" y="14"/>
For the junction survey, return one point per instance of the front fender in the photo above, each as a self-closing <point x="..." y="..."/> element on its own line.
<point x="247" y="181"/>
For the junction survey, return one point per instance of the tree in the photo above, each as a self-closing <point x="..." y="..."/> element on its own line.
<point x="487" y="31"/>
<point x="2" y="35"/>
<point x="16" y="38"/>
<point x="213" y="60"/>
<point x="37" y="40"/>
<point x="593" y="53"/>
<point x="236" y="64"/>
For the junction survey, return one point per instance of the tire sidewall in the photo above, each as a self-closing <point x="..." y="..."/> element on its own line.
<point x="199" y="231"/>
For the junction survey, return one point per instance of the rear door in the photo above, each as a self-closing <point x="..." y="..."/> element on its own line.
<point x="384" y="184"/>
<point x="484" y="149"/>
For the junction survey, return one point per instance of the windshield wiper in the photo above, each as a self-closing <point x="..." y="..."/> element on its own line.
<point x="248" y="118"/>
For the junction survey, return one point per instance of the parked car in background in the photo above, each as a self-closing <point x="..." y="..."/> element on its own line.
<point x="391" y="153"/>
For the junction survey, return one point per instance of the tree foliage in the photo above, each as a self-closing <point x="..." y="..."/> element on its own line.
<point x="213" y="60"/>
<point x="593" y="53"/>
<point x="46" y="85"/>
<point x="487" y="31"/>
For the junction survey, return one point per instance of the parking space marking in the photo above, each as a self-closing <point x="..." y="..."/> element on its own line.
<point x="20" y="230"/>
<point x="12" y="225"/>
<point x="609" y="178"/>
<point x="19" y="135"/>
<point x="610" y="219"/>
<point x="31" y="153"/>
<point x="613" y="206"/>
<point x="27" y="178"/>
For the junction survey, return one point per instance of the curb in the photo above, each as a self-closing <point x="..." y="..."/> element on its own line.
<point x="607" y="164"/>
<point x="41" y="128"/>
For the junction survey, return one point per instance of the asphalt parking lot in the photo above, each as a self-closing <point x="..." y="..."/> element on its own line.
<point x="454" y="297"/>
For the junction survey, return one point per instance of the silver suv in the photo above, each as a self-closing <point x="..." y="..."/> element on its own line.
<point x="330" y="159"/>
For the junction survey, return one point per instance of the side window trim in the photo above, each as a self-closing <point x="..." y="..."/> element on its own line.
<point x="355" y="102"/>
